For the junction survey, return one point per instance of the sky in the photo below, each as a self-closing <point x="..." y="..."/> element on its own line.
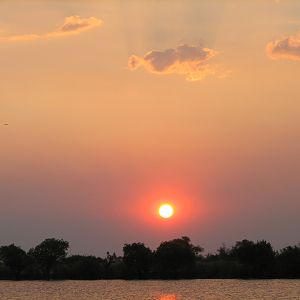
<point x="113" y="107"/>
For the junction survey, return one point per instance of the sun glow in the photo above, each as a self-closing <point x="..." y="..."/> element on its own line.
<point x="166" y="211"/>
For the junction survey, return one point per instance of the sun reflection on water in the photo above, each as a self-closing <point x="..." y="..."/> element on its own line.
<point x="168" y="297"/>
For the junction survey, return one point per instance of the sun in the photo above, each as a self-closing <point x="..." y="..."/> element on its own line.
<point x="166" y="211"/>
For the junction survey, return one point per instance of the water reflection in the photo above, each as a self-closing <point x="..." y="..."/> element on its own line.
<point x="168" y="297"/>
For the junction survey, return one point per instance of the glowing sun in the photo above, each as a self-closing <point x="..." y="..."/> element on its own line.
<point x="166" y="211"/>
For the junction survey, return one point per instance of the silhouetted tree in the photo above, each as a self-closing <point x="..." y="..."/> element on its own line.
<point x="84" y="267"/>
<point x="14" y="258"/>
<point x="177" y="258"/>
<point x="48" y="253"/>
<point x="137" y="258"/>
<point x="223" y="252"/>
<point x="112" y="265"/>
<point x="258" y="257"/>
<point x="288" y="262"/>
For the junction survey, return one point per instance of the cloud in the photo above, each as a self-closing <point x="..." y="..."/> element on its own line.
<point x="189" y="61"/>
<point x="72" y="25"/>
<point x="286" y="48"/>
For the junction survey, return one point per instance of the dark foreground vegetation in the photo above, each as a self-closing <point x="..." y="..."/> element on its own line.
<point x="174" y="259"/>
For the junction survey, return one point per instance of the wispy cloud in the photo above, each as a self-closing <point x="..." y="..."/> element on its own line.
<point x="72" y="25"/>
<point x="285" y="48"/>
<point x="189" y="61"/>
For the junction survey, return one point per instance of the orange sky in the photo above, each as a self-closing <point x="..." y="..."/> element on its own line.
<point x="115" y="106"/>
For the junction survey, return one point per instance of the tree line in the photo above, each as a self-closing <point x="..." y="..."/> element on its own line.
<point x="174" y="259"/>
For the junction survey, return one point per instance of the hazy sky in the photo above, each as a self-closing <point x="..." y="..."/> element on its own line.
<point x="116" y="106"/>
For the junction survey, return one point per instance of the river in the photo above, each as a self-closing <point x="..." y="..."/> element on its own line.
<point x="150" y="290"/>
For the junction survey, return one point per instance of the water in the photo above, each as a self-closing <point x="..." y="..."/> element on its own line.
<point x="150" y="290"/>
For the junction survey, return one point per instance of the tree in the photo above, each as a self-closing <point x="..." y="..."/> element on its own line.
<point x="259" y="256"/>
<point x="137" y="258"/>
<point x="48" y="253"/>
<point x="111" y="265"/>
<point x="223" y="252"/>
<point x="288" y="262"/>
<point x="14" y="258"/>
<point x="85" y="267"/>
<point x="177" y="258"/>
